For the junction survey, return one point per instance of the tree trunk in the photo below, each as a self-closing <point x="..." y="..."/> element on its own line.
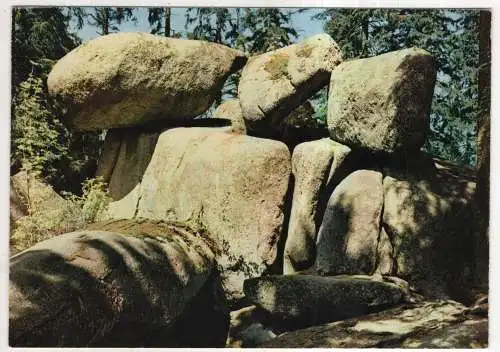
<point x="483" y="148"/>
<point x="105" y="22"/>
<point x="167" y="21"/>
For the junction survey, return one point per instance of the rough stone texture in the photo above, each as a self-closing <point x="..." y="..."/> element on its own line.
<point x="18" y="205"/>
<point x="34" y="194"/>
<point x="123" y="172"/>
<point x="128" y="79"/>
<point x="392" y="328"/>
<point x="273" y="84"/>
<point x="100" y="288"/>
<point x="385" y="252"/>
<point x="231" y="110"/>
<point x="467" y="334"/>
<point x="247" y="328"/>
<point x="382" y="103"/>
<point x="349" y="233"/>
<point x="429" y="220"/>
<point x="232" y="185"/>
<point x="307" y="300"/>
<point x="314" y="165"/>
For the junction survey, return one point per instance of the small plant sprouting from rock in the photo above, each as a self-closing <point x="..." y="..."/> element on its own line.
<point x="79" y="211"/>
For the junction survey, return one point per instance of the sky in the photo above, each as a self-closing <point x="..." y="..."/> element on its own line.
<point x="300" y="21"/>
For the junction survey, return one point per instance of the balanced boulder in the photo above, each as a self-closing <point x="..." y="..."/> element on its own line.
<point x="382" y="103"/>
<point x="315" y="165"/>
<point x="348" y="237"/>
<point x="128" y="79"/>
<point x="100" y="288"/>
<point x="273" y="84"/>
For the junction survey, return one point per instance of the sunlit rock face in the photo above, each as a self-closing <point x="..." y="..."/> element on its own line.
<point x="382" y="103"/>
<point x="129" y="79"/>
<point x="275" y="83"/>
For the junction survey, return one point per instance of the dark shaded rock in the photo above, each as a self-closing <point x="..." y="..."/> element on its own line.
<point x="99" y="288"/>
<point x="305" y="300"/>
<point x="429" y="219"/>
<point x="391" y="328"/>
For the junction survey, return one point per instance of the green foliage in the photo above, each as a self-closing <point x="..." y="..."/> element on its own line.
<point x="159" y="19"/>
<point x="450" y="36"/>
<point x="40" y="143"/>
<point x="267" y="29"/>
<point x="79" y="211"/>
<point x="107" y="19"/>
<point x="40" y="36"/>
<point x="36" y="135"/>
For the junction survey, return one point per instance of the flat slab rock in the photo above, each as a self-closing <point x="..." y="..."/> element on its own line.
<point x="435" y="324"/>
<point x="309" y="299"/>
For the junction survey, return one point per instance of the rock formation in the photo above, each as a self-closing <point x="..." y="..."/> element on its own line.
<point x="254" y="193"/>
<point x="128" y="79"/>
<point x="382" y="103"/>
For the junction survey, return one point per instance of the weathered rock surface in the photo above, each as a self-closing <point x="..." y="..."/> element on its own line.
<point x="18" y="205"/>
<point x="247" y="328"/>
<point x="128" y="79"/>
<point x="314" y="165"/>
<point x="232" y="185"/>
<point x="273" y="84"/>
<point x="348" y="237"/>
<point x="125" y="157"/>
<point x="100" y="288"/>
<point x="429" y="220"/>
<point x="33" y="194"/>
<point x="382" y="103"/>
<point x="231" y="110"/>
<point x="305" y="300"/>
<point x="406" y="326"/>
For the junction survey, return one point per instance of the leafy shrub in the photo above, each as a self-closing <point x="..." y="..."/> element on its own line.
<point x="78" y="211"/>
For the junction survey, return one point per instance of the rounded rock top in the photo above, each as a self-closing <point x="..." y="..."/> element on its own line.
<point x="128" y="79"/>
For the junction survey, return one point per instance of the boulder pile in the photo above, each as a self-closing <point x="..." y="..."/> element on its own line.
<point x="262" y="205"/>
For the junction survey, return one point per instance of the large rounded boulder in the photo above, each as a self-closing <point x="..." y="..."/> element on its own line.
<point x="128" y="79"/>
<point x="382" y="103"/>
<point x="275" y="83"/>
<point x="143" y="286"/>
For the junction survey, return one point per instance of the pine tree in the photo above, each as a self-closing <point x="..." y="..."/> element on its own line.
<point x="268" y="29"/>
<point x="40" y="143"/>
<point x="107" y="19"/>
<point x="159" y="19"/>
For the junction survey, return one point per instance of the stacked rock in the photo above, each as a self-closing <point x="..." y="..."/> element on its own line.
<point x="275" y="192"/>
